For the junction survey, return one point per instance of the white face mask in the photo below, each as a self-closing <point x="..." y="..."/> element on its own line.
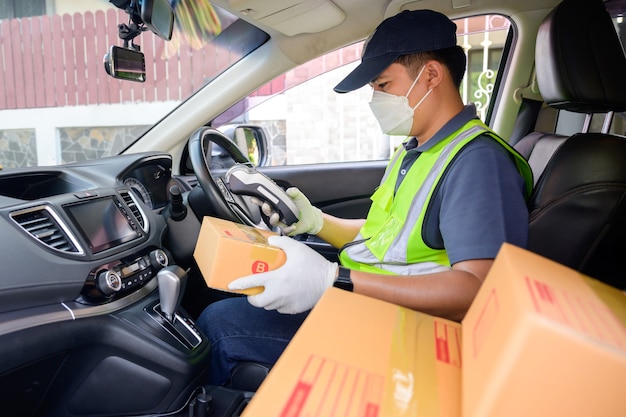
<point x="393" y="113"/>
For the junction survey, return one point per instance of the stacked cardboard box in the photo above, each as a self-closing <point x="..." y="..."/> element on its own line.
<point x="539" y="340"/>
<point x="543" y="340"/>
<point x="356" y="356"/>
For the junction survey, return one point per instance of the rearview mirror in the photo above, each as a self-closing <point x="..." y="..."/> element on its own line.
<point x="125" y="63"/>
<point x="158" y="16"/>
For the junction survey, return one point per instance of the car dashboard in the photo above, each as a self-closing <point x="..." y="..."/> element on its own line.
<point x="64" y="226"/>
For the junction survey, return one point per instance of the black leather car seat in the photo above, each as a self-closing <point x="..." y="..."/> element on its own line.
<point x="578" y="206"/>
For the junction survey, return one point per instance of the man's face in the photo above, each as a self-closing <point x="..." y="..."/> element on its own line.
<point x="397" y="81"/>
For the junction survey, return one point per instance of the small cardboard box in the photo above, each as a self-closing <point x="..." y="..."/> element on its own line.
<point x="226" y="251"/>
<point x="541" y="339"/>
<point x="357" y="356"/>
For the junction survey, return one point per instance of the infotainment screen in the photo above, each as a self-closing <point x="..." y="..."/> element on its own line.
<point x="102" y="223"/>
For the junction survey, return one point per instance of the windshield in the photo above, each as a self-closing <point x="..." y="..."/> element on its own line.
<point x="59" y="105"/>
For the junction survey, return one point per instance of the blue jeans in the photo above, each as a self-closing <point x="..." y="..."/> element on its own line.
<point x="240" y="332"/>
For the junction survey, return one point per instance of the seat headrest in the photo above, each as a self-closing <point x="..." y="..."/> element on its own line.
<point x="579" y="59"/>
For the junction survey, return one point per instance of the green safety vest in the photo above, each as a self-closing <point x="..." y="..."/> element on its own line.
<point x="388" y="243"/>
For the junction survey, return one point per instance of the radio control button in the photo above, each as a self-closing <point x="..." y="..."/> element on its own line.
<point x="159" y="259"/>
<point x="109" y="282"/>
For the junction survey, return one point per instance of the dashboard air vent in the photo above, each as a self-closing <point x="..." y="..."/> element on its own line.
<point x="134" y="208"/>
<point x="42" y="224"/>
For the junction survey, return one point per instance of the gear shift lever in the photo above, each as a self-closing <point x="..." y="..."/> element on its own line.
<point x="169" y="279"/>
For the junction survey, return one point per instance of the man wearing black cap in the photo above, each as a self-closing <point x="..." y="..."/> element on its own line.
<point x="451" y="195"/>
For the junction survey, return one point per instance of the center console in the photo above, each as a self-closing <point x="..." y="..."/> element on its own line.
<point x="114" y="279"/>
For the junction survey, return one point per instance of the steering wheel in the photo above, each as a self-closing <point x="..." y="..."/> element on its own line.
<point x="228" y="206"/>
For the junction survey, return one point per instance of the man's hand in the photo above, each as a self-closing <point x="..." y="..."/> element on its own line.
<point x="295" y="286"/>
<point x="310" y="219"/>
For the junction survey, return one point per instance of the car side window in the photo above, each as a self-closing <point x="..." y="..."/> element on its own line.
<point x="306" y="122"/>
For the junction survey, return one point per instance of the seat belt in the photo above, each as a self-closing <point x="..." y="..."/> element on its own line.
<point x="531" y="102"/>
<point x="526" y="119"/>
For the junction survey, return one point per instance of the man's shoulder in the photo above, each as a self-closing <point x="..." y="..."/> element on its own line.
<point x="485" y="139"/>
<point x="484" y="154"/>
<point x="482" y="146"/>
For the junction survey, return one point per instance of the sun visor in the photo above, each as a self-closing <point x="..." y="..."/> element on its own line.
<point x="291" y="17"/>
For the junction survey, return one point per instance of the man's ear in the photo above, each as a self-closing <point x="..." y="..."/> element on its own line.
<point x="435" y="73"/>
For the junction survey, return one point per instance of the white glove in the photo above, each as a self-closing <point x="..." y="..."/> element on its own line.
<point x="295" y="286"/>
<point x="310" y="219"/>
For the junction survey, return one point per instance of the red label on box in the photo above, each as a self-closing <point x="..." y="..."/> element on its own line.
<point x="447" y="343"/>
<point x="259" y="267"/>
<point x="328" y="387"/>
<point x="583" y="313"/>
<point x="297" y="399"/>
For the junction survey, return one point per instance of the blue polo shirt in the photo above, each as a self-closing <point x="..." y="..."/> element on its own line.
<point x="479" y="202"/>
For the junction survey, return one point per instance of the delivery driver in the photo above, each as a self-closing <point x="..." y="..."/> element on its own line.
<point x="452" y="194"/>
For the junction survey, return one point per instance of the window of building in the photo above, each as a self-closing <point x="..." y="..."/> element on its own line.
<point x="10" y="9"/>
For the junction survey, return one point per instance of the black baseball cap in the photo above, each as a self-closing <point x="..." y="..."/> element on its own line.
<point x="407" y="32"/>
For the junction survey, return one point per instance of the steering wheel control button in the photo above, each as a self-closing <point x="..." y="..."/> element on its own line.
<point x="225" y="190"/>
